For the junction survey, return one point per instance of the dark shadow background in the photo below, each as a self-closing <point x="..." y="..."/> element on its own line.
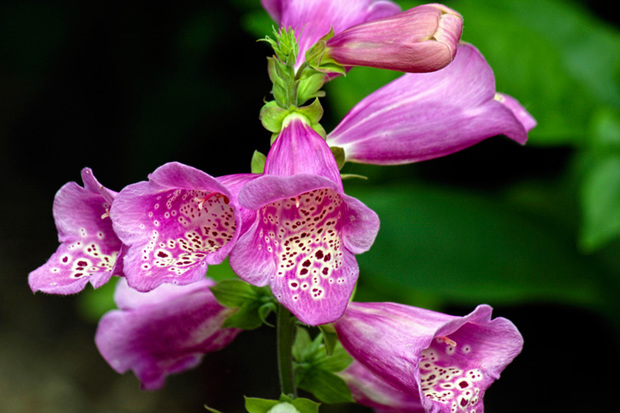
<point x="123" y="87"/>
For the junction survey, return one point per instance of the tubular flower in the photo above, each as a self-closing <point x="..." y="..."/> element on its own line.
<point x="163" y="331"/>
<point x="312" y="19"/>
<point x="306" y="232"/>
<point x="446" y="362"/>
<point x="421" y="39"/>
<point x="174" y="224"/>
<point x="421" y="116"/>
<point x="89" y="248"/>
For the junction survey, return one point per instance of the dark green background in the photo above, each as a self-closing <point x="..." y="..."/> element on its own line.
<point x="123" y="87"/>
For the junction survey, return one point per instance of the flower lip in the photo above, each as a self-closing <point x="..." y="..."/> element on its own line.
<point x="89" y="249"/>
<point x="174" y="224"/>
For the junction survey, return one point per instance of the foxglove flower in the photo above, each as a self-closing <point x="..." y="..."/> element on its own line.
<point x="164" y="331"/>
<point x="89" y="248"/>
<point x="421" y="39"/>
<point x="446" y="362"/>
<point x="312" y="19"/>
<point x="369" y="390"/>
<point x="174" y="225"/>
<point x="306" y="232"/>
<point x="422" y="116"/>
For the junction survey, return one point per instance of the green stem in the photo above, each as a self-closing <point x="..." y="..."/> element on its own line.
<point x="285" y="335"/>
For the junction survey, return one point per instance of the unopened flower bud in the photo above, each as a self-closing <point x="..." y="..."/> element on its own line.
<point x="421" y="39"/>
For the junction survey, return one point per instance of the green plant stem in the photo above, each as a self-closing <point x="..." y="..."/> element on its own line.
<point x="285" y="334"/>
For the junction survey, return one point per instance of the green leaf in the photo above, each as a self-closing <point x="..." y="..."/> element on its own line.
<point x="257" y="405"/>
<point x="326" y="386"/>
<point x="600" y="198"/>
<point x="468" y="248"/>
<point x="211" y="410"/>
<point x="284" y="405"/>
<point x="234" y="293"/>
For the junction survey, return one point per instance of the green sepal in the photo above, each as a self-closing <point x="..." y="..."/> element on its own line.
<point x="318" y="57"/>
<point x="257" y="165"/>
<point x="313" y="112"/>
<point x="284" y="405"/>
<point x="211" y="410"/>
<point x="253" y="304"/>
<point x="271" y="116"/>
<point x="339" y="155"/>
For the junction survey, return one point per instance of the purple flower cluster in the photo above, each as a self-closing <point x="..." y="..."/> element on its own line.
<point x="294" y="228"/>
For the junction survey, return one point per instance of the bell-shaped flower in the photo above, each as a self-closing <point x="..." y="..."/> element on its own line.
<point x="369" y="390"/>
<point x="307" y="230"/>
<point x="313" y="19"/>
<point x="89" y="249"/>
<point x="163" y="331"/>
<point x="447" y="362"/>
<point x="421" y="39"/>
<point x="174" y="225"/>
<point x="422" y="116"/>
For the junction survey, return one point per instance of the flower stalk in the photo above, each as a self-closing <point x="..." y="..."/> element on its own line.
<point x="286" y="336"/>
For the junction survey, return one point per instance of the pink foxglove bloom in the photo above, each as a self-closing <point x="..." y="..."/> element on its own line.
<point x="421" y="39"/>
<point x="89" y="248"/>
<point x="422" y="116"/>
<point x="174" y="225"/>
<point x="313" y="19"/>
<point x="307" y="231"/>
<point x="446" y="362"/>
<point x="164" y="331"/>
<point x="369" y="390"/>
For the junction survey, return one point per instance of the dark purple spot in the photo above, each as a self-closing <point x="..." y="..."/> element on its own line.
<point x="463" y="384"/>
<point x="319" y="254"/>
<point x="464" y="402"/>
<point x="303" y="271"/>
<point x="325" y="271"/>
<point x="306" y="263"/>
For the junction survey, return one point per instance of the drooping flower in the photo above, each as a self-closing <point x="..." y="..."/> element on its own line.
<point x="312" y="19"/>
<point x="369" y="390"/>
<point x="174" y="225"/>
<point x="89" y="249"/>
<point x="446" y="362"/>
<point x="421" y="39"/>
<point x="307" y="230"/>
<point x="421" y="116"/>
<point x="163" y="331"/>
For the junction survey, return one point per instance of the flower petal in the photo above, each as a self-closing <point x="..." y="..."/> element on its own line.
<point x="299" y="149"/>
<point x="174" y="225"/>
<point x="369" y="390"/>
<point x="89" y="247"/>
<point x="162" y="332"/>
<point x="422" y="116"/>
